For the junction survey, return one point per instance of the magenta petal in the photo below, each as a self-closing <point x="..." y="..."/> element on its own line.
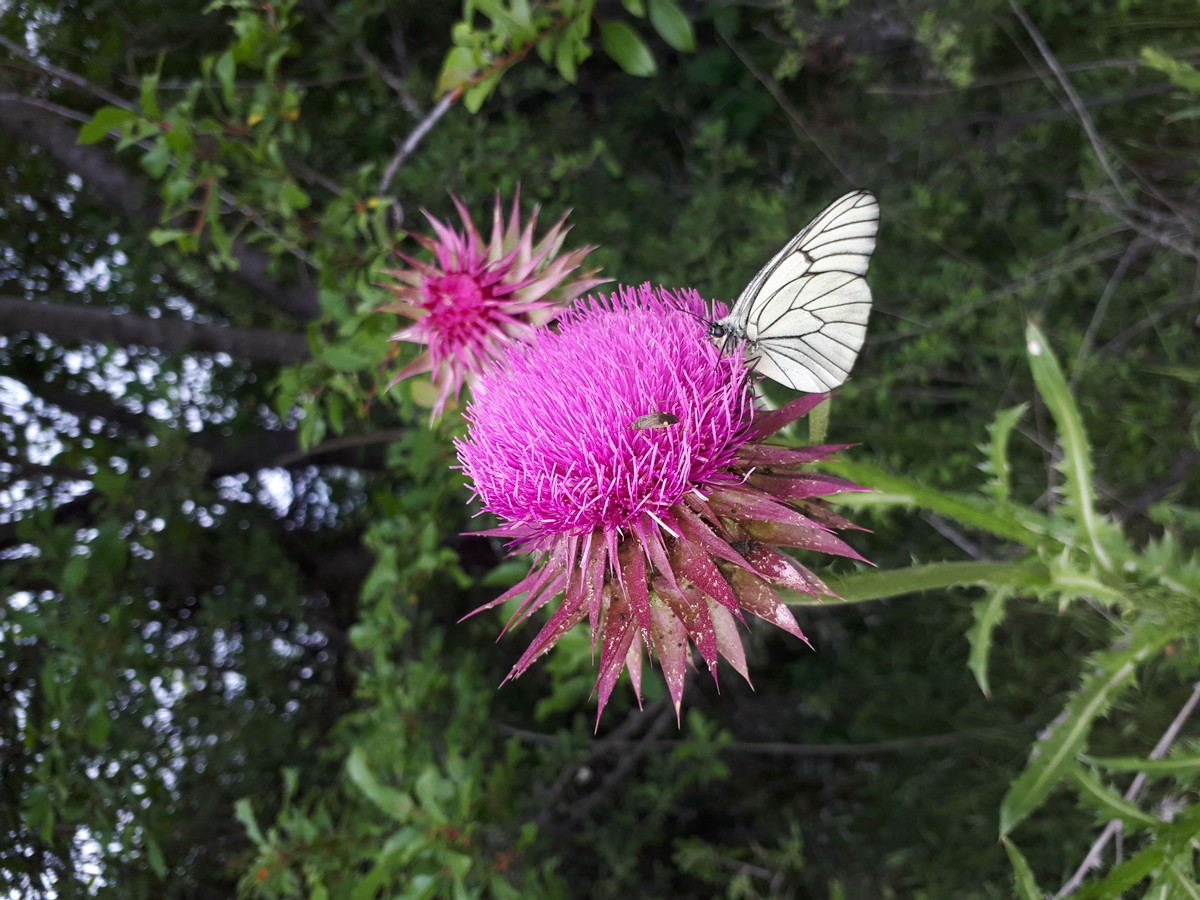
<point x="807" y="536"/>
<point x="803" y="486"/>
<point x="750" y="505"/>
<point x="669" y="637"/>
<point x="729" y="642"/>
<point x="767" y="423"/>
<point x="692" y="611"/>
<point x="769" y="455"/>
<point x="633" y="578"/>
<point x="786" y="572"/>
<point x="693" y="528"/>
<point x="697" y="567"/>
<point x="760" y="599"/>
<point x="826" y="518"/>
<point x="633" y="663"/>
<point x="620" y="628"/>
<point x="532" y="583"/>
<point x="564" y="619"/>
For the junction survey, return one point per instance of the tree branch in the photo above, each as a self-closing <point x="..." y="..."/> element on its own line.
<point x="35" y="121"/>
<point x="75" y="322"/>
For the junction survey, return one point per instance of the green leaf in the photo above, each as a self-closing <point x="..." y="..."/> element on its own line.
<point x="968" y="511"/>
<point x="989" y="612"/>
<point x="875" y="585"/>
<point x="160" y="236"/>
<point x="148" y="95"/>
<point x="349" y="357"/>
<point x="73" y="573"/>
<point x="226" y="71"/>
<point x="391" y="802"/>
<point x="1054" y="754"/>
<point x="672" y="25"/>
<point x="1182" y="886"/>
<point x="97" y="723"/>
<point x="1107" y="802"/>
<point x="1077" y="456"/>
<point x="564" y="59"/>
<point x="1181" y="74"/>
<point x="292" y="196"/>
<point x="106" y="119"/>
<point x="244" y="813"/>
<point x="1173" y="766"/>
<point x="458" y="68"/>
<point x="1025" y="886"/>
<point x="157" y="159"/>
<point x="996" y="449"/>
<point x="477" y="94"/>
<point x="1124" y="876"/>
<point x="154" y="855"/>
<point x="635" y="7"/>
<point x="627" y="49"/>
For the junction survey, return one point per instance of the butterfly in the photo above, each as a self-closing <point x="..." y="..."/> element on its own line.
<point x="803" y="318"/>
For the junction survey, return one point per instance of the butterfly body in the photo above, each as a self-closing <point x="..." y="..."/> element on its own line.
<point x="803" y="318"/>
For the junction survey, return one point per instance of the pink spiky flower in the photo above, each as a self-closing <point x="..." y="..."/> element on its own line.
<point x="626" y="455"/>
<point x="475" y="297"/>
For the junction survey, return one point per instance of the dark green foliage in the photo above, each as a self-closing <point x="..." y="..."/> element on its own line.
<point x="230" y="648"/>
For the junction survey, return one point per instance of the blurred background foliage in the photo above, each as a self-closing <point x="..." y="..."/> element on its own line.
<point x="230" y="655"/>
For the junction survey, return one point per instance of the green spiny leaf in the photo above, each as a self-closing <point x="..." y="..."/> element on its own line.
<point x="1108" y="803"/>
<point x="965" y="510"/>
<point x="1024" y="884"/>
<point x="1054" y="754"/>
<point x="1173" y="766"/>
<point x="989" y="612"/>
<point x="996" y="449"/>
<point x="1077" y="455"/>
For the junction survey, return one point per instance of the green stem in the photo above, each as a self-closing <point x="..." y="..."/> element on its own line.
<point x="862" y="586"/>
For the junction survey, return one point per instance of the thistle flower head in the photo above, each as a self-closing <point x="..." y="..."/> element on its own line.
<point x="475" y="296"/>
<point x="626" y="455"/>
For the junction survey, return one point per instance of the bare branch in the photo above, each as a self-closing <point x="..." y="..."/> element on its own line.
<point x="1113" y="828"/>
<point x="40" y="123"/>
<point x="414" y="139"/>
<point x="1132" y="252"/>
<point x="75" y="322"/>
<point x="64" y="75"/>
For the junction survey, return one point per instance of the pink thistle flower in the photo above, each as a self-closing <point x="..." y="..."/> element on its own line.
<point x="625" y="454"/>
<point x="475" y="297"/>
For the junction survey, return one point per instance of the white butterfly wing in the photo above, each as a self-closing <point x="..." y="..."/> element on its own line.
<point x="805" y="314"/>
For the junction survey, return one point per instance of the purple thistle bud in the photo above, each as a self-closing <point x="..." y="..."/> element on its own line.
<point x="659" y="535"/>
<point x="476" y="297"/>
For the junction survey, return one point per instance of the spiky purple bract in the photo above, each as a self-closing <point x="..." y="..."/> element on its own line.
<point x="476" y="297"/>
<point x="657" y="535"/>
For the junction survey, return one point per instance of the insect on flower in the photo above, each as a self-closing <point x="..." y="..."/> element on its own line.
<point x="654" y="420"/>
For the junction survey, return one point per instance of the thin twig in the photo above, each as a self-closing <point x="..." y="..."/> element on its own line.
<point x="953" y="535"/>
<point x="414" y="138"/>
<point x="1133" y="251"/>
<point x="1113" y="828"/>
<point x="342" y="443"/>
<point x="772" y="87"/>
<point x="625" y="763"/>
<point x="1080" y="110"/>
<point x="65" y="75"/>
